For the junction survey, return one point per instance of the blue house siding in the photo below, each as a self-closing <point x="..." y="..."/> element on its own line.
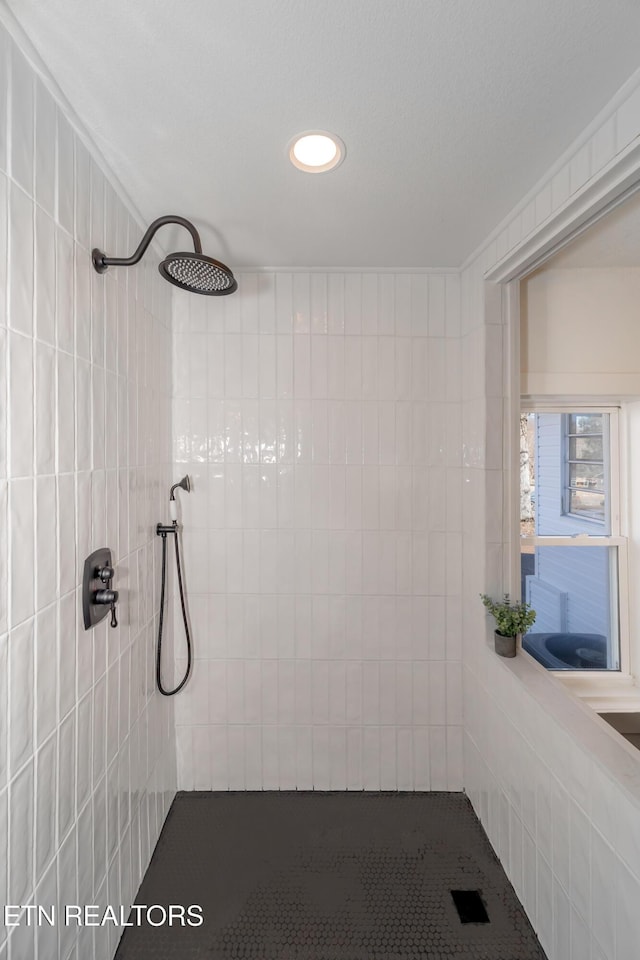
<point x="570" y="587"/>
<point x="549" y="453"/>
<point x="578" y="601"/>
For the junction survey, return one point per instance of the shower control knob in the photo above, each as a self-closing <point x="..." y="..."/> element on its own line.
<point x="97" y="595"/>
<point x="106" y="597"/>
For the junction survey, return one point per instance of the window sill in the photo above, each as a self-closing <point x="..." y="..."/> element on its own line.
<point x="603" y="692"/>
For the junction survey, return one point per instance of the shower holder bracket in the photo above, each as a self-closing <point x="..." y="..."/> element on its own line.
<point x="98" y="598"/>
<point x="162" y="529"/>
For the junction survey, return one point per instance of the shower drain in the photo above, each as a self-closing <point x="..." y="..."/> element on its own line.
<point x="470" y="906"/>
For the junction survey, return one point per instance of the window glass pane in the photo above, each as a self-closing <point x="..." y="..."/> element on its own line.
<point x="585" y="423"/>
<point x="587" y="504"/>
<point x="587" y="476"/>
<point x="574" y="593"/>
<point x="586" y="448"/>
<point x="564" y="483"/>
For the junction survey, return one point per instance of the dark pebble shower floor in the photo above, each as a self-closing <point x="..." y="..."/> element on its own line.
<point x="327" y="876"/>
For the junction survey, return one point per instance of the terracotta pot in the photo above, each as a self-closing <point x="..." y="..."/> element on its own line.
<point x="505" y="646"/>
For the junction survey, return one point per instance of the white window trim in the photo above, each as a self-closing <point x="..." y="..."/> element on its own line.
<point x="607" y="686"/>
<point x="566" y="471"/>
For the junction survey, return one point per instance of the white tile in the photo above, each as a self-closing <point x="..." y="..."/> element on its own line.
<point x="64" y="291"/>
<point x="21" y="260"/>
<point x="353" y="433"/>
<point x="5" y="62"/>
<point x="544" y="903"/>
<point x="303" y="757"/>
<point x="319" y="367"/>
<point x="46" y="542"/>
<point x="360" y="303"/>
<point x="420" y="368"/>
<point x="65" y="168"/>
<point x="82" y="198"/>
<point x="338" y="758"/>
<point x="268" y="367"/>
<point x="22" y="120"/>
<point x="44" y="303"/>
<point x="46" y="808"/>
<point x="335" y="303"/>
<point x="65" y="409"/>
<point x="626" y="930"/>
<point x="320" y="758"/>
<point x="353" y="368"/>
<point x="561" y="921"/>
<point x="66" y="774"/>
<point x="372" y="388"/>
<point x="354" y="779"/>
<point x="66" y="654"/>
<point x="371" y="777"/>
<point x="21" y="838"/>
<point x="370" y="433"/>
<point x="21" y="407"/>
<point x="297" y="535"/>
<point x="604" y="893"/>
<point x="84" y="761"/>
<point x="386" y="304"/>
<point x="21" y="693"/>
<point x="579" y="933"/>
<point x="99" y="836"/>
<point x="437" y="306"/>
<point x="21" y="553"/>
<point x="438" y="758"/>
<point x="66" y="513"/>
<point x="319" y="296"/>
<point x="45" y="409"/>
<point x="580" y="847"/>
<point x="4" y="206"/>
<point x="603" y="810"/>
<point x="236" y="758"/>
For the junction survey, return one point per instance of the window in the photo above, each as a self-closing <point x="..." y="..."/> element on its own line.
<point x="586" y="474"/>
<point x="572" y="552"/>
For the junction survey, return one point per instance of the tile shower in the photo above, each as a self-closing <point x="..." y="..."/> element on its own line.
<point x="87" y="764"/>
<point x="319" y="416"/>
<point x="343" y="431"/>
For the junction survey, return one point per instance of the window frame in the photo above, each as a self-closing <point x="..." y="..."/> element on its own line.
<point x="616" y="538"/>
<point x="566" y="469"/>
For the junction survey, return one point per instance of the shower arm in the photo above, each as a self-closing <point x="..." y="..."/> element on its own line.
<point x="101" y="261"/>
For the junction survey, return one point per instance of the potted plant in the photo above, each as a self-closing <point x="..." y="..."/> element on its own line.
<point x="512" y="620"/>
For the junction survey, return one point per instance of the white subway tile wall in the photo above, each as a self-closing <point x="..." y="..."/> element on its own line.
<point x="563" y="825"/>
<point x="320" y="418"/>
<point x="87" y="756"/>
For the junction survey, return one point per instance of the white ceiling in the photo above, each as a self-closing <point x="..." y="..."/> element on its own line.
<point x="450" y="111"/>
<point x="613" y="241"/>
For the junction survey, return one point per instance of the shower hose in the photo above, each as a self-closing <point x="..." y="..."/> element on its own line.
<point x="161" y="688"/>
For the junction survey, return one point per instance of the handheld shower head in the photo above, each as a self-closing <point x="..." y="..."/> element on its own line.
<point x="184" y="484"/>
<point x="193" y="272"/>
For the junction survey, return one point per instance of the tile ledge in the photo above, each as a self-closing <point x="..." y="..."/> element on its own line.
<point x="618" y="758"/>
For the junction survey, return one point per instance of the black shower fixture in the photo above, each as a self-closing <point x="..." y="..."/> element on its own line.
<point x="190" y="271"/>
<point x="184" y="484"/>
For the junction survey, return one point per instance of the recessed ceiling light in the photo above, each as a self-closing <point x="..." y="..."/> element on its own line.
<point x="316" y="151"/>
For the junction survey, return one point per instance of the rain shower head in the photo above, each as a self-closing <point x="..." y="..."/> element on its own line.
<point x="198" y="274"/>
<point x="193" y="272"/>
